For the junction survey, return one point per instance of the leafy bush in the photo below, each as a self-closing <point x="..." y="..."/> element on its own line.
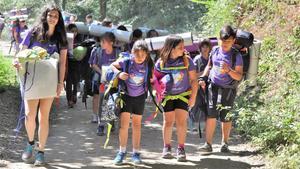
<point x="7" y="73"/>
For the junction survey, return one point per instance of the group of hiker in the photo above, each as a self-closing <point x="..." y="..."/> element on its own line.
<point x="186" y="88"/>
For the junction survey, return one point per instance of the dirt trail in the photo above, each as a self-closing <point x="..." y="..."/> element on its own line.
<point x="73" y="143"/>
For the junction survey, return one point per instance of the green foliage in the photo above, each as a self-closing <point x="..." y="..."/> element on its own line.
<point x="219" y="13"/>
<point x="173" y="15"/>
<point x="7" y="73"/>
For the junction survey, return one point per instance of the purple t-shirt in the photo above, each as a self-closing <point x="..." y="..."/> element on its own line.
<point x="215" y="73"/>
<point x="106" y="59"/>
<point x="200" y="62"/>
<point x="19" y="30"/>
<point x="137" y="72"/>
<point x="51" y="47"/>
<point x="181" y="81"/>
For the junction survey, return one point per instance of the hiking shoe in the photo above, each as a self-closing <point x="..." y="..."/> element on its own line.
<point x="206" y="148"/>
<point x="100" y="131"/>
<point x="136" y="158"/>
<point x="181" y="157"/>
<point x="27" y="155"/>
<point x="119" y="158"/>
<point x="167" y="153"/>
<point x="224" y="148"/>
<point x="94" y="118"/>
<point x="39" y="159"/>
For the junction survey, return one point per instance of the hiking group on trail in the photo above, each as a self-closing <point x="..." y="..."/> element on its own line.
<point x="121" y="77"/>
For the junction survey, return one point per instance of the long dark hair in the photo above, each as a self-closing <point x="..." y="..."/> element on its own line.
<point x="40" y="30"/>
<point x="171" y="42"/>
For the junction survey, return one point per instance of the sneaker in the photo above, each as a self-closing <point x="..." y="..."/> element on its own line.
<point x="100" y="131"/>
<point x="167" y="153"/>
<point x="27" y="155"/>
<point x="136" y="158"/>
<point x="94" y="118"/>
<point x="39" y="159"/>
<point x="181" y="157"/>
<point x="206" y="148"/>
<point x="224" y="148"/>
<point x="119" y="158"/>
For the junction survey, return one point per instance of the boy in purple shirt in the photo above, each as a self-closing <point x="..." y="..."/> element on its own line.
<point x="225" y="69"/>
<point x="101" y="57"/>
<point x="200" y="62"/>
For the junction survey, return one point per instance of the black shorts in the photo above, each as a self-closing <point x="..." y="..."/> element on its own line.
<point x="171" y="105"/>
<point x="95" y="87"/>
<point x="134" y="105"/>
<point x="220" y="102"/>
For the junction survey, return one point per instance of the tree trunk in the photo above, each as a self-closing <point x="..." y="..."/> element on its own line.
<point x="63" y="5"/>
<point x="102" y="4"/>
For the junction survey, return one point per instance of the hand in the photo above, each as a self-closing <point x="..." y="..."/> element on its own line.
<point x="123" y="76"/>
<point x="224" y="67"/>
<point x="16" y="64"/>
<point x="59" y="89"/>
<point x="191" y="102"/>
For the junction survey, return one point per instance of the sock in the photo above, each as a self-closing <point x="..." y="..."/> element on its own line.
<point x="42" y="152"/>
<point x="181" y="146"/>
<point x="167" y="145"/>
<point x="31" y="142"/>
<point x="135" y="151"/>
<point x="123" y="149"/>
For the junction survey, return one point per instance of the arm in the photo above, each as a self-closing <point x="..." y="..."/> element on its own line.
<point x="15" y="34"/>
<point x="194" y="84"/>
<point x="116" y="66"/>
<point x="96" y="68"/>
<point x="62" y="70"/>
<point x="237" y="73"/>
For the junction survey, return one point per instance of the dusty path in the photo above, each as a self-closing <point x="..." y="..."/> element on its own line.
<point x="73" y="144"/>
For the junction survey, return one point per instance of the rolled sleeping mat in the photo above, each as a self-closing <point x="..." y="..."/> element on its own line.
<point x="82" y="28"/>
<point x="253" y="67"/>
<point x="70" y="39"/>
<point x="160" y="32"/>
<point x="193" y="48"/>
<point x="158" y="42"/>
<point x="99" y="30"/>
<point x="39" y="86"/>
<point x="18" y="17"/>
<point x="123" y="36"/>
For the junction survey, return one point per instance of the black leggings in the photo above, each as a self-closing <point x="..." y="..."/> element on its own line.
<point x="73" y="77"/>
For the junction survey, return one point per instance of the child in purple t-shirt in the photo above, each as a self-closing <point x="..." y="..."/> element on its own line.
<point x="200" y="61"/>
<point x="17" y="30"/>
<point x="101" y="57"/>
<point x="178" y="71"/>
<point x="224" y="70"/>
<point x="136" y="79"/>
